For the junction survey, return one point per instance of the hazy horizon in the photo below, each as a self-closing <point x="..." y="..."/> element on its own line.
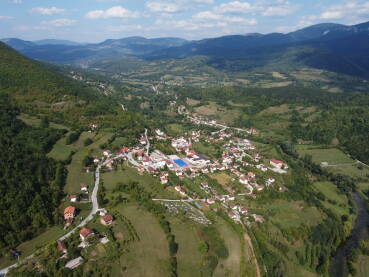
<point x="90" y="21"/>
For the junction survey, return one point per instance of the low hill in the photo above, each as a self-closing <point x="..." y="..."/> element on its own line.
<point x="39" y="87"/>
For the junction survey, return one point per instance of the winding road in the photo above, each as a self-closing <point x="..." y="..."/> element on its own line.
<point x="94" y="210"/>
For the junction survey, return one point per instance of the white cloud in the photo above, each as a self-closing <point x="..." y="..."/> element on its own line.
<point x="236" y="7"/>
<point x="331" y="15"/>
<point x="61" y="22"/>
<point x="175" y="6"/>
<point x="208" y="15"/>
<point x="17" y="1"/>
<point x="348" y="9"/>
<point x="5" y="17"/>
<point x="163" y="7"/>
<point x="113" y="12"/>
<point x="281" y="8"/>
<point x="125" y="28"/>
<point x="47" y="11"/>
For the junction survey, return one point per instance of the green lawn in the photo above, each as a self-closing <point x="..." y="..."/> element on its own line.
<point x="188" y="256"/>
<point x="174" y="129"/>
<point x="28" y="247"/>
<point x="335" y="200"/>
<point x="207" y="150"/>
<point x="61" y="151"/>
<point x="287" y="214"/>
<point x="76" y="174"/>
<point x="231" y="265"/>
<point x="34" y="121"/>
<point x="338" y="161"/>
<point x="148" y="257"/>
<point x="332" y="156"/>
<point x="351" y="170"/>
<point x="128" y="174"/>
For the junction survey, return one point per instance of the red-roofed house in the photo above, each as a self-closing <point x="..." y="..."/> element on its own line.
<point x="85" y="233"/>
<point x="277" y="163"/>
<point x="69" y="212"/>
<point x="106" y="220"/>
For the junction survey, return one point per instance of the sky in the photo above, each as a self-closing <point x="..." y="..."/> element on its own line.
<point x="97" y="20"/>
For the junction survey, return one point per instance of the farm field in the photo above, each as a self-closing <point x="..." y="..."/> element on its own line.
<point x="189" y="257"/>
<point x="61" y="150"/>
<point x="222" y="178"/>
<point x="289" y="214"/>
<point x="335" y="200"/>
<point x="222" y="114"/>
<point x="148" y="257"/>
<point x="128" y="174"/>
<point x="332" y="156"/>
<point x="35" y="122"/>
<point x="230" y="266"/>
<point x="337" y="160"/>
<point x="76" y="174"/>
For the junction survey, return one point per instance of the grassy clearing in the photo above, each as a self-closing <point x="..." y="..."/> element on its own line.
<point x="222" y="178"/>
<point x="82" y="138"/>
<point x="174" y="129"/>
<point x="287" y="214"/>
<point x="276" y="84"/>
<point x="205" y="149"/>
<point x="221" y="114"/>
<point x="276" y="110"/>
<point x="278" y="75"/>
<point x="351" y="170"/>
<point x="128" y="174"/>
<point x="231" y="265"/>
<point x="188" y="256"/>
<point x="362" y="266"/>
<point x="148" y="257"/>
<point x="76" y="173"/>
<point x="192" y="102"/>
<point x="28" y="247"/>
<point x="61" y="150"/>
<point x="332" y="156"/>
<point x="35" y="122"/>
<point x="338" y="161"/>
<point x="335" y="200"/>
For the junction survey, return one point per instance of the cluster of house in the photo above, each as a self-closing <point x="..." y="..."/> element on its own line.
<point x="238" y="156"/>
<point x="71" y="211"/>
<point x="84" y="234"/>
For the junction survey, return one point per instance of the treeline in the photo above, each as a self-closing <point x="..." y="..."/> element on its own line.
<point x="347" y="123"/>
<point x="343" y="117"/>
<point x="30" y="183"/>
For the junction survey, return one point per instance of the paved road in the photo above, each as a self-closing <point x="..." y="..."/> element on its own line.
<point x="147" y="143"/>
<point x="95" y="208"/>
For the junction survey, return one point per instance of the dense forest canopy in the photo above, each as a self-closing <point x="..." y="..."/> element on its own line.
<point x="30" y="183"/>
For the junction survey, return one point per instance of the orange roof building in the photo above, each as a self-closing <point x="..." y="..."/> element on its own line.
<point x="106" y="220"/>
<point x="69" y="212"/>
<point x="85" y="233"/>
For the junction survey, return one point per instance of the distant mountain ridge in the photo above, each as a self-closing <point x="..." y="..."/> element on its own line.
<point x="333" y="47"/>
<point x="68" y="52"/>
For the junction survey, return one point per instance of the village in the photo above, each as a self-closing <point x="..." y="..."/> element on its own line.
<point x="239" y="159"/>
<point x="250" y="174"/>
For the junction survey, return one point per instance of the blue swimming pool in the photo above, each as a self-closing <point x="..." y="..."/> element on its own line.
<point x="180" y="162"/>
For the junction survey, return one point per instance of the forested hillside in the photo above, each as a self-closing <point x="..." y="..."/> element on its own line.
<point x="40" y="88"/>
<point x="30" y="183"/>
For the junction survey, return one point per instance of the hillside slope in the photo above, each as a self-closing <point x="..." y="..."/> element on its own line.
<point x="40" y="88"/>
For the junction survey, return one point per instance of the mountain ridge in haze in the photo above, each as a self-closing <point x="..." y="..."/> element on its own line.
<point x="333" y="47"/>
